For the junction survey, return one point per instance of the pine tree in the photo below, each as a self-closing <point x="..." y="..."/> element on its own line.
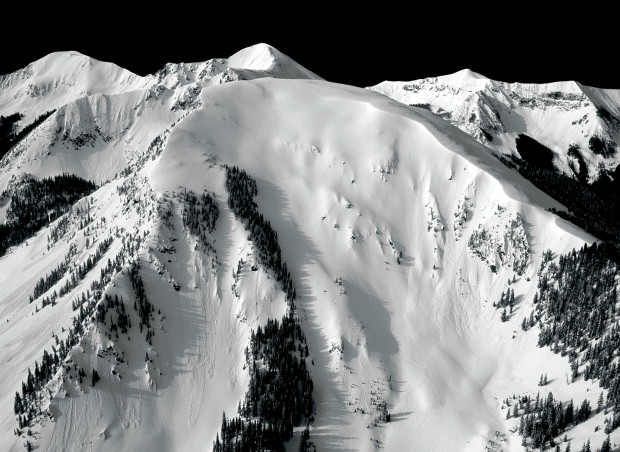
<point x="606" y="447"/>
<point x="600" y="403"/>
<point x="217" y="445"/>
<point x="586" y="447"/>
<point x="17" y="405"/>
<point x="303" y="442"/>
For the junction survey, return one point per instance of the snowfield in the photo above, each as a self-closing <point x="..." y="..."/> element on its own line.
<point x="375" y="204"/>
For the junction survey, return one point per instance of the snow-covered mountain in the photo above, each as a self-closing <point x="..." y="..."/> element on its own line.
<point x="62" y="77"/>
<point x="400" y="232"/>
<point x="557" y="115"/>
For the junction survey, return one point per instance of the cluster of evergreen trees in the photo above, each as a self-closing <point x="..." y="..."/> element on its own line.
<point x="507" y="300"/>
<point x="593" y="207"/>
<point x="46" y="283"/>
<point x="8" y="126"/>
<point x="545" y="419"/>
<point x="280" y="392"/>
<point x="141" y="303"/>
<point x="601" y="146"/>
<point x="143" y="307"/>
<point x="77" y="275"/>
<point x="575" y="308"/>
<point x="123" y="319"/>
<point x="35" y="203"/>
<point x="58" y="230"/>
<point x="28" y="404"/>
<point x="582" y="307"/>
<point x="8" y="136"/>
<point x="534" y="153"/>
<point x="241" y="191"/>
<point x="238" y="435"/>
<point x="81" y="270"/>
<point x="200" y="214"/>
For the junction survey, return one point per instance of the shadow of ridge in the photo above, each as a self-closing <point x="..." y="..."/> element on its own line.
<point x="276" y="210"/>
<point x="365" y="306"/>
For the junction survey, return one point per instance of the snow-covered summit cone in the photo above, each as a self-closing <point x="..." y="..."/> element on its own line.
<point x="561" y="115"/>
<point x="267" y="59"/>
<point x="257" y="61"/>
<point x="59" y="78"/>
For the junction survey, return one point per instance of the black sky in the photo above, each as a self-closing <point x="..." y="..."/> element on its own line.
<point x="354" y="48"/>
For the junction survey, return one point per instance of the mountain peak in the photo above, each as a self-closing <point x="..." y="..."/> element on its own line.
<point x="260" y="57"/>
<point x="465" y="78"/>
<point x="468" y="74"/>
<point x="70" y="61"/>
<point x="266" y="58"/>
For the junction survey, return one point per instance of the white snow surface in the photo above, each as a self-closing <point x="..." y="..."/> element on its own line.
<point x="350" y="180"/>
<point x="495" y="113"/>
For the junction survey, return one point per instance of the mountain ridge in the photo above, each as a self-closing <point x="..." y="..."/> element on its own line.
<point x="558" y="115"/>
<point x="401" y="232"/>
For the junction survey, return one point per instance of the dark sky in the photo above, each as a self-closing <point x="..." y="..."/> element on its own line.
<point x="355" y="48"/>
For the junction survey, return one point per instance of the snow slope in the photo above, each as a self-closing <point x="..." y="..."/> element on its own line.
<point x="108" y="118"/>
<point x="495" y="113"/>
<point x="374" y="203"/>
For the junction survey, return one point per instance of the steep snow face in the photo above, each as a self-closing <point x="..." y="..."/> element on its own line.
<point x="495" y="113"/>
<point x="355" y="184"/>
<point x="379" y="209"/>
<point x="95" y="137"/>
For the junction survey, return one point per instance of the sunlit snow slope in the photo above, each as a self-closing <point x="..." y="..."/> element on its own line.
<point x="555" y="114"/>
<point x="374" y="204"/>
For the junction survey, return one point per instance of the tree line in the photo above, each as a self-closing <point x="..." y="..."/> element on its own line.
<point x="241" y="191"/>
<point x="575" y="310"/>
<point x="279" y="396"/>
<point x="27" y="404"/>
<point x="36" y="203"/>
<point x="9" y="137"/>
<point x="595" y="207"/>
